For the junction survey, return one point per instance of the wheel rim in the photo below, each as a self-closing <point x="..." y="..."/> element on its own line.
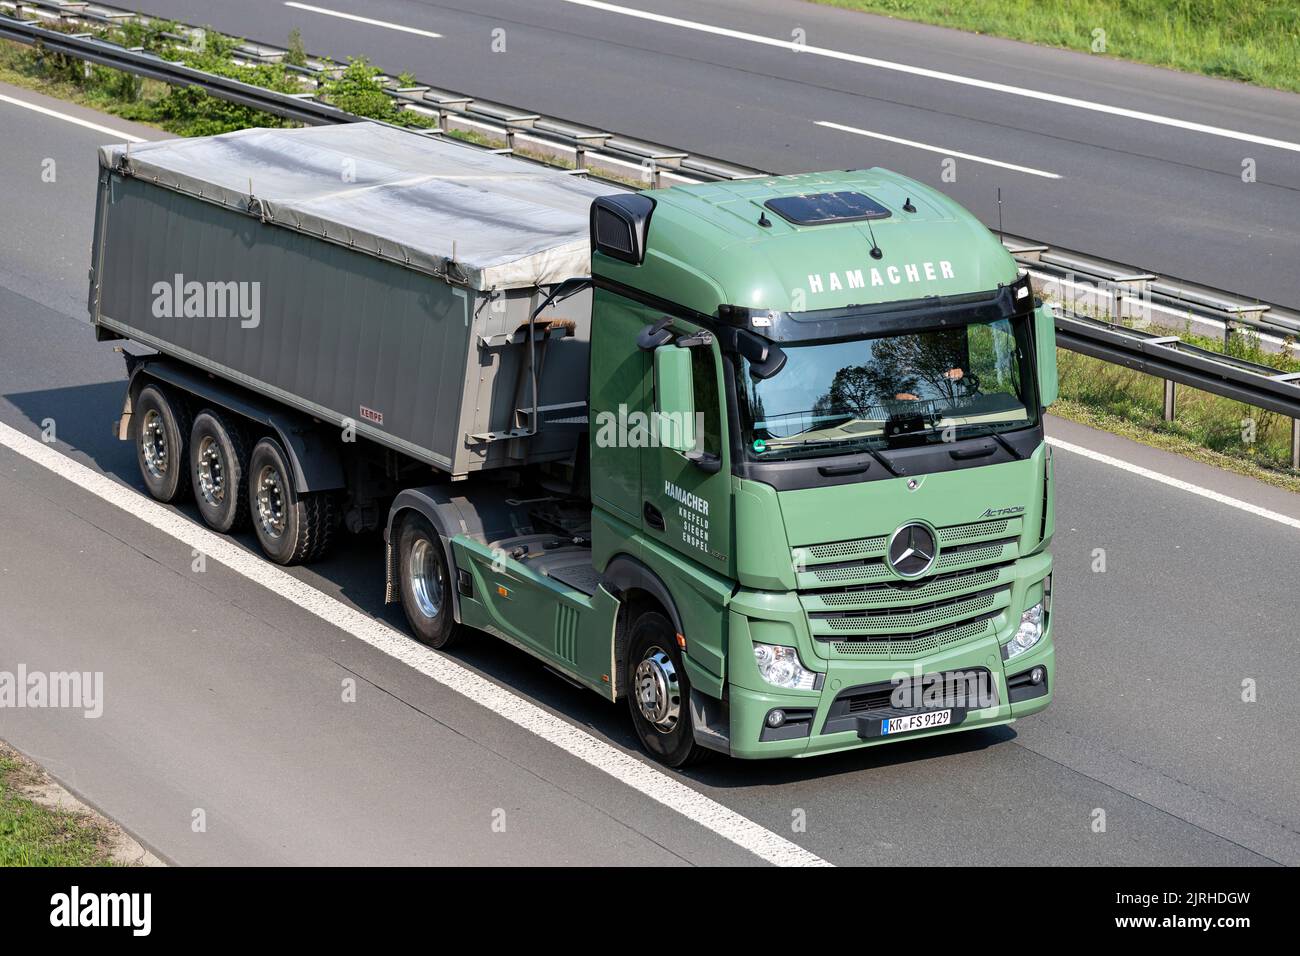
<point x="270" y="502"/>
<point x="153" y="443"/>
<point x="211" y="471"/>
<point x="426" y="578"/>
<point x="658" y="690"/>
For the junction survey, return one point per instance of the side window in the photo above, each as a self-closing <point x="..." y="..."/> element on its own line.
<point x="704" y="375"/>
<point x="993" y="351"/>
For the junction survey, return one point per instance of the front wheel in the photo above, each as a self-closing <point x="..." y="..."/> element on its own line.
<point x="426" y="583"/>
<point x="659" y="693"/>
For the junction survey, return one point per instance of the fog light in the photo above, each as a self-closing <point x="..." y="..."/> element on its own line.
<point x="781" y="667"/>
<point x="776" y="718"/>
<point x="1027" y="635"/>
<point x="1036" y="675"/>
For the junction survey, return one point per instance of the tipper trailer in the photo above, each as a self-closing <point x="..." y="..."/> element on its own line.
<point x="764" y="458"/>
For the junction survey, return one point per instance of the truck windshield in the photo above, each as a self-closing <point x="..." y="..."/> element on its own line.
<point x="929" y="386"/>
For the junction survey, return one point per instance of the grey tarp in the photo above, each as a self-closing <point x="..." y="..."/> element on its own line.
<point x="413" y="198"/>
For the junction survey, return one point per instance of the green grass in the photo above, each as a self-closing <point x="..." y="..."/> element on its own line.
<point x="188" y="111"/>
<point x="1216" y="430"/>
<point x="1256" y="41"/>
<point x="32" y="835"/>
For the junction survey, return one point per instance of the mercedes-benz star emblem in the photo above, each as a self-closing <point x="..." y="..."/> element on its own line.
<point x="912" y="551"/>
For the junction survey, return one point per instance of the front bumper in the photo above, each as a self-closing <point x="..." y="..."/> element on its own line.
<point x="819" y="721"/>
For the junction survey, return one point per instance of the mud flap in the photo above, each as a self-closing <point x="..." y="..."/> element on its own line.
<point x="711" y="722"/>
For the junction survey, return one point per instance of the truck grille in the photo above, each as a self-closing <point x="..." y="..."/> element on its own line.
<point x="857" y="608"/>
<point x="916" y="645"/>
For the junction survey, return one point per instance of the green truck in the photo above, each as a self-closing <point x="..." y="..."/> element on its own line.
<point x="763" y="458"/>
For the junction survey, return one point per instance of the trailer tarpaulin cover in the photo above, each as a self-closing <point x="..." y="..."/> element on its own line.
<point x="397" y="194"/>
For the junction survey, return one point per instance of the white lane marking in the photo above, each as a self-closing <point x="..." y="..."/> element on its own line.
<point x="940" y="75"/>
<point x="938" y="149"/>
<point x="374" y="23"/>
<point x="623" y="767"/>
<point x="107" y="130"/>
<point x="1175" y="483"/>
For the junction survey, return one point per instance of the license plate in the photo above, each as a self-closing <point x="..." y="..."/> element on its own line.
<point x="901" y="725"/>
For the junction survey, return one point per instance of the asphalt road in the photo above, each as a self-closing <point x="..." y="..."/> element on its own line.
<point x="1156" y="196"/>
<point x="223" y="696"/>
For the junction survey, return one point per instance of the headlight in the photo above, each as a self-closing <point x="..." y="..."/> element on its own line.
<point x="1028" y="634"/>
<point x="781" y="667"/>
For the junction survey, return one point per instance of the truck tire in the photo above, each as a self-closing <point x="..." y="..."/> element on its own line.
<point x="659" y="693"/>
<point x="161" y="422"/>
<point x="218" y="466"/>
<point x="291" y="528"/>
<point x="426" y="583"/>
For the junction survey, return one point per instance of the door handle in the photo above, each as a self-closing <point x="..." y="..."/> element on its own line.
<point x="653" y="517"/>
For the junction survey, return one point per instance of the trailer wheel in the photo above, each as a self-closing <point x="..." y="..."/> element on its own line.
<point x="660" y="693"/>
<point x="426" y="583"/>
<point x="162" y="431"/>
<point x="218" y="464"/>
<point x="291" y="528"/>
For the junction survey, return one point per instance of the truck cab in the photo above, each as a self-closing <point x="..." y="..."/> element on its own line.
<point x="843" y="504"/>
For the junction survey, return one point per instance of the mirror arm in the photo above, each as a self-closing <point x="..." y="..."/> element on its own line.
<point x="708" y="463"/>
<point x="655" y="335"/>
<point x="696" y="340"/>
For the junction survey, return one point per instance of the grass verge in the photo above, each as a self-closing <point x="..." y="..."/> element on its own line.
<point x="1255" y="41"/>
<point x="33" y="835"/>
<point x="188" y="111"/>
<point x="1207" y="428"/>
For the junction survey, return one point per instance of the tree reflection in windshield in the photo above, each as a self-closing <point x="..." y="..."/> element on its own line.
<point x="967" y="380"/>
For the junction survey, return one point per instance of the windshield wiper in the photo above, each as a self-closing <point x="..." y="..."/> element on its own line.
<point x="856" y="444"/>
<point x="1015" y="452"/>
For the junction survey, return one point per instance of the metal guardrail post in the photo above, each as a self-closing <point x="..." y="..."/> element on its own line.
<point x="1295" y="443"/>
<point x="1169" y="399"/>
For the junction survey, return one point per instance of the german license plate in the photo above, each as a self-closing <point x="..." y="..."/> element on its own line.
<point x="927" y="721"/>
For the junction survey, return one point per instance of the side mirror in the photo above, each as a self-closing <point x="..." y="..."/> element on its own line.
<point x="1045" y="350"/>
<point x="674" y="398"/>
<point x="765" y="358"/>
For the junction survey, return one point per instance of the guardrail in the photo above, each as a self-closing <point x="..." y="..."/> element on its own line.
<point x="1124" y="292"/>
<point x="1180" y="363"/>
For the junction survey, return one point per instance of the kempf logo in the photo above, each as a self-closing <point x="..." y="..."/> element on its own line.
<point x="179" y="299"/>
<point x="75" y="908"/>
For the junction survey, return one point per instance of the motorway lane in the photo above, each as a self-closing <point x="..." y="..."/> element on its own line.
<point x="1161" y="198"/>
<point x="1149" y="730"/>
<point x="222" y="699"/>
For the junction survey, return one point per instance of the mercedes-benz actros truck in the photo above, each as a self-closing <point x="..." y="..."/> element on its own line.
<point x="763" y="458"/>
